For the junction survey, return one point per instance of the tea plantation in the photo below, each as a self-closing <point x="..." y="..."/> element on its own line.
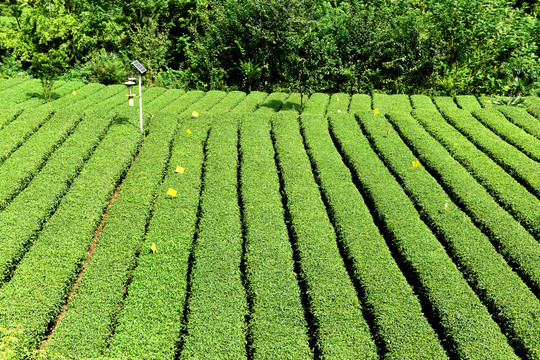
<point x="233" y="227"/>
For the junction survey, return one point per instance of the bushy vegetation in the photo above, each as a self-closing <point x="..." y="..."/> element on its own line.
<point x="438" y="279"/>
<point x="392" y="301"/>
<point x="397" y="46"/>
<point x="367" y="226"/>
<point x="486" y="270"/>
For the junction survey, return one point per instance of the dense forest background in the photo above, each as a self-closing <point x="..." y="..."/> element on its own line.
<point x="395" y="46"/>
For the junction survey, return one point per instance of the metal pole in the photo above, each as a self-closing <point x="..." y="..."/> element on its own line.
<point x="140" y="101"/>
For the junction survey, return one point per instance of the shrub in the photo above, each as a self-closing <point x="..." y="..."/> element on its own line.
<point x="107" y="68"/>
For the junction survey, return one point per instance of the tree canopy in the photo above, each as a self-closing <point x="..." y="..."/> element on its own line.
<point x="413" y="46"/>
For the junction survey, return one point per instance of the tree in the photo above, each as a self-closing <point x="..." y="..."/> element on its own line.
<point x="150" y="45"/>
<point x="252" y="41"/>
<point x="300" y="66"/>
<point x="46" y="40"/>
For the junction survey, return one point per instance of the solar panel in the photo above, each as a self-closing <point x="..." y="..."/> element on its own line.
<point x="139" y="66"/>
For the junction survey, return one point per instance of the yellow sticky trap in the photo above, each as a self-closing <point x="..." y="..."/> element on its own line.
<point x="339" y="111"/>
<point x="154" y="248"/>
<point x="180" y="169"/>
<point x="130" y="102"/>
<point x="416" y="164"/>
<point x="376" y="111"/>
<point x="195" y="114"/>
<point x="74" y="92"/>
<point x="188" y="131"/>
<point x="337" y="99"/>
<point x="171" y="192"/>
<point x="446" y="206"/>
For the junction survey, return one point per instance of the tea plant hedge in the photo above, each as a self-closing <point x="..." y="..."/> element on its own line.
<point x="247" y="226"/>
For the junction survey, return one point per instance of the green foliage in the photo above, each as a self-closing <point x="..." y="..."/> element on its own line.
<point x="360" y="102"/>
<point x="442" y="47"/>
<point x="292" y="103"/>
<point x="521" y="118"/>
<point x="187" y="101"/>
<point x="510" y="133"/>
<point x="422" y="102"/>
<point x="272" y="103"/>
<point x="163" y="222"/>
<point x="85" y="328"/>
<point x="19" y="93"/>
<point x="402" y="328"/>
<point x="6" y="84"/>
<point x="229" y="102"/>
<point x="250" y="103"/>
<point x="533" y="106"/>
<point x="49" y="183"/>
<point x="509" y="101"/>
<point x="483" y="43"/>
<point x="386" y="103"/>
<point x="154" y="332"/>
<point x="467" y="102"/>
<point x="55" y="260"/>
<point x="149" y="45"/>
<point x="107" y="68"/>
<point x="248" y="38"/>
<point x="170" y="78"/>
<point x="278" y="326"/>
<point x="250" y="73"/>
<point x="216" y="317"/>
<point x="487" y="271"/>
<point x="473" y="193"/>
<point x="46" y="40"/>
<point x="316" y="105"/>
<point x="11" y="345"/>
<point x="62" y="89"/>
<point x="210" y="99"/>
<point x="517" y="164"/>
<point x="449" y="47"/>
<point x="429" y="267"/>
<point x="339" y="103"/>
<point x="291" y="236"/>
<point x="10" y="67"/>
<point x="340" y="328"/>
<point x="19" y="130"/>
<point x="399" y="46"/>
<point x="8" y="116"/>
